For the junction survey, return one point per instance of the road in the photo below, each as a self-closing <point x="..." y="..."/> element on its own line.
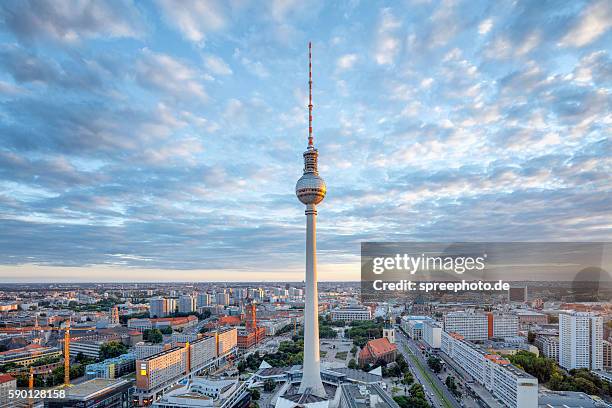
<point x="434" y="388"/>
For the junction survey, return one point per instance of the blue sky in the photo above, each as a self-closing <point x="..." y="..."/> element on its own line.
<point x="162" y="140"/>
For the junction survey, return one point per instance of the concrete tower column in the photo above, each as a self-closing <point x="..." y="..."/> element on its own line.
<point x="312" y="360"/>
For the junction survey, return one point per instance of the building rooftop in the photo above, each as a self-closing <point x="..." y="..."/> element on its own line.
<point x="89" y="389"/>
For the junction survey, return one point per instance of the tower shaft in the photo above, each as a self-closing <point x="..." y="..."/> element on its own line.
<point x="311" y="378"/>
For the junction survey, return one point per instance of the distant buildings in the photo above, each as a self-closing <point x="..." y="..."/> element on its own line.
<point x="377" y="350"/>
<point x="349" y="314"/>
<point x="514" y="387"/>
<point x="27" y="355"/>
<point x="517" y="294"/>
<point x="161" y="307"/>
<point x="187" y="304"/>
<point x="413" y="325"/>
<point x="160" y="323"/>
<point x="480" y="326"/>
<point x="580" y="340"/>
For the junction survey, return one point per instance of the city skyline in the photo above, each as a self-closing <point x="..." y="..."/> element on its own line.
<point x="142" y="142"/>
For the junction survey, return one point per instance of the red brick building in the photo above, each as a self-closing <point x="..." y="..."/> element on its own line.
<point x="377" y="349"/>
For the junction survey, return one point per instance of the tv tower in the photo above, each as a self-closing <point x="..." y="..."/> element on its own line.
<point x="310" y="190"/>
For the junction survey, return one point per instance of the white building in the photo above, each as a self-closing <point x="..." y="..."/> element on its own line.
<point x="350" y="314"/>
<point x="549" y="346"/>
<point x="472" y="326"/>
<point x="580" y="340"/>
<point x="504" y="325"/>
<point x="204" y="392"/>
<point x="143" y="350"/>
<point x="513" y="387"/>
<point x="432" y="334"/>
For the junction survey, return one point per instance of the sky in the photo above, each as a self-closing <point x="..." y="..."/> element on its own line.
<point x="162" y="140"/>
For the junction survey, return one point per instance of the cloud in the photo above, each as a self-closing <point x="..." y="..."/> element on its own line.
<point x="164" y="73"/>
<point x="485" y="26"/>
<point x="194" y="18"/>
<point x="594" y="21"/>
<point x="217" y="66"/>
<point x="346" y="61"/>
<point x="387" y="43"/>
<point x="67" y="21"/>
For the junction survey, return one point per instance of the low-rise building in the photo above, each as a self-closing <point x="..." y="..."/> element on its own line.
<point x="112" y="367"/>
<point x="377" y="350"/>
<point x="27" y="355"/>
<point x="98" y="392"/>
<point x="349" y="314"/>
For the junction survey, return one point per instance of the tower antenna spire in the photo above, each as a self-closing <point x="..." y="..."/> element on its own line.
<point x="310" y="138"/>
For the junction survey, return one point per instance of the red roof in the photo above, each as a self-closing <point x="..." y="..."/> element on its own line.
<point x="19" y="350"/>
<point x="4" y="378"/>
<point x="230" y="320"/>
<point x="377" y="348"/>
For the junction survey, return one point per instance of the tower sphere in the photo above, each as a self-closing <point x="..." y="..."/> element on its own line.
<point x="310" y="188"/>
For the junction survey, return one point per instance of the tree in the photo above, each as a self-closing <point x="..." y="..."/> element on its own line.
<point x="352" y="364"/>
<point x="112" y="349"/>
<point x="167" y="330"/>
<point x="269" y="385"/>
<point x="255" y="394"/>
<point x="353" y="350"/>
<point x="435" y="364"/>
<point x="531" y="336"/>
<point x="153" y="335"/>
<point x="408" y="379"/>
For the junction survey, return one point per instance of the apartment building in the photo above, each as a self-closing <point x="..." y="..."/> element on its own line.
<point x="548" y="346"/>
<point x="606" y="347"/>
<point x="502" y="325"/>
<point x="349" y="314"/>
<point x="480" y="326"/>
<point x="161" y="368"/>
<point x="580" y="340"/>
<point x="513" y="387"/>
<point x="472" y="326"/>
<point x="143" y="350"/>
<point x="432" y="334"/>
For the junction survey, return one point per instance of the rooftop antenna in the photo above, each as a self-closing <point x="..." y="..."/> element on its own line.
<point x="310" y="141"/>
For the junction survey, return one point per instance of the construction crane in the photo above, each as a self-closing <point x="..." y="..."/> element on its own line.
<point x="67" y="354"/>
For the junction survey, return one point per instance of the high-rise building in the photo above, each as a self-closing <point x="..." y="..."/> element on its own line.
<point x="607" y="354"/>
<point x="223" y="298"/>
<point x="310" y="190"/>
<point x="187" y="304"/>
<point x="158" y="307"/>
<point x="472" y="326"/>
<point x="580" y="340"/>
<point x="204" y="299"/>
